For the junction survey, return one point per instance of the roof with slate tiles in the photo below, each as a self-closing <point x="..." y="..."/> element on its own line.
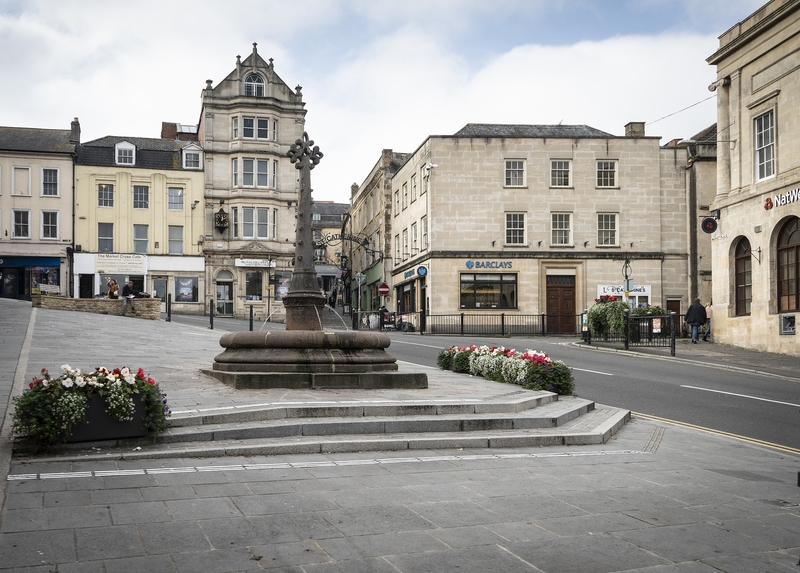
<point x="151" y="153"/>
<point x="539" y="131"/>
<point x="31" y="139"/>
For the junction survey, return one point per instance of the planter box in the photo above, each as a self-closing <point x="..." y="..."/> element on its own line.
<point x="101" y="426"/>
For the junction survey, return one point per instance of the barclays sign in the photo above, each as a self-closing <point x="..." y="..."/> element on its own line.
<point x="488" y="264"/>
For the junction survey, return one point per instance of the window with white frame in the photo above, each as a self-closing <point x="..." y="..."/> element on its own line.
<point x="125" y="153"/>
<point x="606" y="173"/>
<point x="561" y="229"/>
<point x="413" y="187"/>
<point x="396" y="248"/>
<point x="254" y="85"/>
<point x="262" y="128"/>
<point x="765" y="146"/>
<point x="249" y="127"/>
<point x="175" y="240"/>
<point x="515" y="173"/>
<point x="274" y="173"/>
<point x="560" y="173"/>
<point x="405" y="195"/>
<point x="248" y="223"/>
<point x="50" y="182"/>
<point x="49" y="225"/>
<point x="262" y="223"/>
<point x="20" y="180"/>
<point x="234" y="172"/>
<point x="235" y="220"/>
<point x="22" y="223"/>
<point x="515" y="228"/>
<point x="248" y="177"/>
<point x="607" y="229"/>
<point x="397" y="202"/>
<point x="191" y="159"/>
<point x="105" y="195"/>
<point x="414" y="239"/>
<point x="274" y="130"/>
<point x="105" y="237"/>
<point x="405" y="244"/>
<point x="140" y="239"/>
<point x="175" y="198"/>
<point x="426" y="174"/>
<point x="262" y="173"/>
<point x="141" y="197"/>
<point x="274" y="224"/>
<point x="234" y="128"/>
<point x="424" y="224"/>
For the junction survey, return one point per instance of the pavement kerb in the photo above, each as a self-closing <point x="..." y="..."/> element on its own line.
<point x="634" y="354"/>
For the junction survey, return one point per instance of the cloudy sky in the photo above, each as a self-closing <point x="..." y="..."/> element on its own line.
<point x="376" y="74"/>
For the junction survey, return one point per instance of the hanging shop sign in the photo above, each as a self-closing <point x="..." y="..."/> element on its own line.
<point x="619" y="290"/>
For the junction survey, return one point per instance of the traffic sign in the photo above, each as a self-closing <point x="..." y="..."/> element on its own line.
<point x="383" y="289"/>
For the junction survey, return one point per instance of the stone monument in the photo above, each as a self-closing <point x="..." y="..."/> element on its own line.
<point x="303" y="356"/>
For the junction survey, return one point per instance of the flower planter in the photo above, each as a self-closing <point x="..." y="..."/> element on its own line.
<point x="99" y="425"/>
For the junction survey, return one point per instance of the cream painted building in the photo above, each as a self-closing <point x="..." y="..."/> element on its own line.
<point x="36" y="210"/>
<point x="139" y="217"/>
<point x="536" y="219"/>
<point x="756" y="247"/>
<point x="247" y="124"/>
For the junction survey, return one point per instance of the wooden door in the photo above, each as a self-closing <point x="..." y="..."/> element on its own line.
<point x="561" y="317"/>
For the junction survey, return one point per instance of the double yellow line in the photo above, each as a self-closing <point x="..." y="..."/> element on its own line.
<point x="780" y="448"/>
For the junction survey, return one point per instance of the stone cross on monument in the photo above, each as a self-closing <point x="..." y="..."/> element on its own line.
<point x="304" y="302"/>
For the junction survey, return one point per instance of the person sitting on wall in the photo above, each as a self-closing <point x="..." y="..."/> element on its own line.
<point x="127" y="297"/>
<point x="113" y="288"/>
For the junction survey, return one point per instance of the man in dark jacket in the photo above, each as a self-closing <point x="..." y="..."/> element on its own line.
<point x="695" y="316"/>
<point x="127" y="297"/>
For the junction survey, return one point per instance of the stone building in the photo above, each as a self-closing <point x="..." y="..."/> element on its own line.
<point x="756" y="247"/>
<point x="370" y="216"/>
<point x="36" y="197"/>
<point x="139" y="217"/>
<point x="539" y="219"/>
<point x="247" y="123"/>
<point x="327" y="218"/>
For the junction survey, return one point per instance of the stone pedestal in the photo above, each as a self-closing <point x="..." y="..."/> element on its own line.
<point x="304" y="311"/>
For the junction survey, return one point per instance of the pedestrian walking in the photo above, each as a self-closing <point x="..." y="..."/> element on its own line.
<point x="695" y="317"/>
<point x="708" y="322"/>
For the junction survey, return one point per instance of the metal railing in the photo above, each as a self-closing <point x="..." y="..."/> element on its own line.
<point x="644" y="330"/>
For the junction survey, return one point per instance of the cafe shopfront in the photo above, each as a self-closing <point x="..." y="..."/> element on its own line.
<point x="20" y="277"/>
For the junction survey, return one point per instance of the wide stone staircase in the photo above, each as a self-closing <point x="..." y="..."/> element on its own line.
<point x="513" y="419"/>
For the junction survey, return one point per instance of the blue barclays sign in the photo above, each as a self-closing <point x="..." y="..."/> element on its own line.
<point x="488" y="264"/>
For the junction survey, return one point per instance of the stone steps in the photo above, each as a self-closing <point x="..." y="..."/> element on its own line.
<point x="530" y="420"/>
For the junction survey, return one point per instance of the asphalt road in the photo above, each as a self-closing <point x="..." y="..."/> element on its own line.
<point x="758" y="407"/>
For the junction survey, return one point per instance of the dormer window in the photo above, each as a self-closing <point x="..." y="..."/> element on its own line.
<point x="254" y="85"/>
<point x="192" y="157"/>
<point x="125" y="153"/>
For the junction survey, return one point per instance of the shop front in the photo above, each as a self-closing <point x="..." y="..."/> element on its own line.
<point x="20" y="277"/>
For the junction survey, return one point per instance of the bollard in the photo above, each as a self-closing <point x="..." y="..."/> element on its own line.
<point x="169" y="307"/>
<point x="251" y="318"/>
<point x="211" y="313"/>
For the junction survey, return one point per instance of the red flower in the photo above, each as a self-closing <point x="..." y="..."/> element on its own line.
<point x="150" y="380"/>
<point x="140" y="373"/>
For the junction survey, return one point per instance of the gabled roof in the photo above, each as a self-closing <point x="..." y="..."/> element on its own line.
<point x="538" y="131"/>
<point x="151" y="153"/>
<point x="35" y="140"/>
<point x="708" y="135"/>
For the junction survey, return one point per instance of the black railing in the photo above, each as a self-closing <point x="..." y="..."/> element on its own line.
<point x="644" y="330"/>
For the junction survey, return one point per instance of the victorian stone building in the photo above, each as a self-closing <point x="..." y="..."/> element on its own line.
<point x="756" y="246"/>
<point x="247" y="123"/>
<point x="538" y="219"/>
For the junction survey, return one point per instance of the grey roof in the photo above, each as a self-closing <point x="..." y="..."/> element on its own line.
<point x="151" y="153"/>
<point x="539" y="131"/>
<point x="329" y="212"/>
<point x="36" y="140"/>
<point x="708" y="135"/>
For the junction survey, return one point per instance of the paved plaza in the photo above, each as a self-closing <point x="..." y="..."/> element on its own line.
<point x="655" y="498"/>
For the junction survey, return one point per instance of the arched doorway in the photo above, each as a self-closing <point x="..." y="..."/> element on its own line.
<point x="224" y="293"/>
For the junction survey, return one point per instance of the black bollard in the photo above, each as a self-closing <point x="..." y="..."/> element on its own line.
<point x="211" y="313"/>
<point x="169" y="307"/>
<point x="251" y="318"/>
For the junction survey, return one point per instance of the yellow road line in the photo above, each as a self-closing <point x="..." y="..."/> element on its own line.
<point x="779" y="447"/>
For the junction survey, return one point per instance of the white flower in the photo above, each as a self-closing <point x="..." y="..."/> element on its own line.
<point x="66" y="367"/>
<point x="80" y="381"/>
<point x="66" y="382"/>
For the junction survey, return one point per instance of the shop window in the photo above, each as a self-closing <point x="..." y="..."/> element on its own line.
<point x="253" y="285"/>
<point x="788" y="267"/>
<point x="186" y="289"/>
<point x="488" y="291"/>
<point x="744" y="277"/>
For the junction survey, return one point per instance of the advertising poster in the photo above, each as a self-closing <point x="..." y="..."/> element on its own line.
<point x="185" y="287"/>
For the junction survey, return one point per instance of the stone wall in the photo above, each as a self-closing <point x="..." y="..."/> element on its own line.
<point x="148" y="308"/>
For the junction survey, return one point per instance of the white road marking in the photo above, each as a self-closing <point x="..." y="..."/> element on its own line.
<point x="592" y="371"/>
<point x="741" y="395"/>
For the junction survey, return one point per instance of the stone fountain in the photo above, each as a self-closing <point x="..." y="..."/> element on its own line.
<point x="303" y="356"/>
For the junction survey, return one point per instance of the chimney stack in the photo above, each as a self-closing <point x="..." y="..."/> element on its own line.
<point x="634" y="129"/>
<point x="75" y="132"/>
